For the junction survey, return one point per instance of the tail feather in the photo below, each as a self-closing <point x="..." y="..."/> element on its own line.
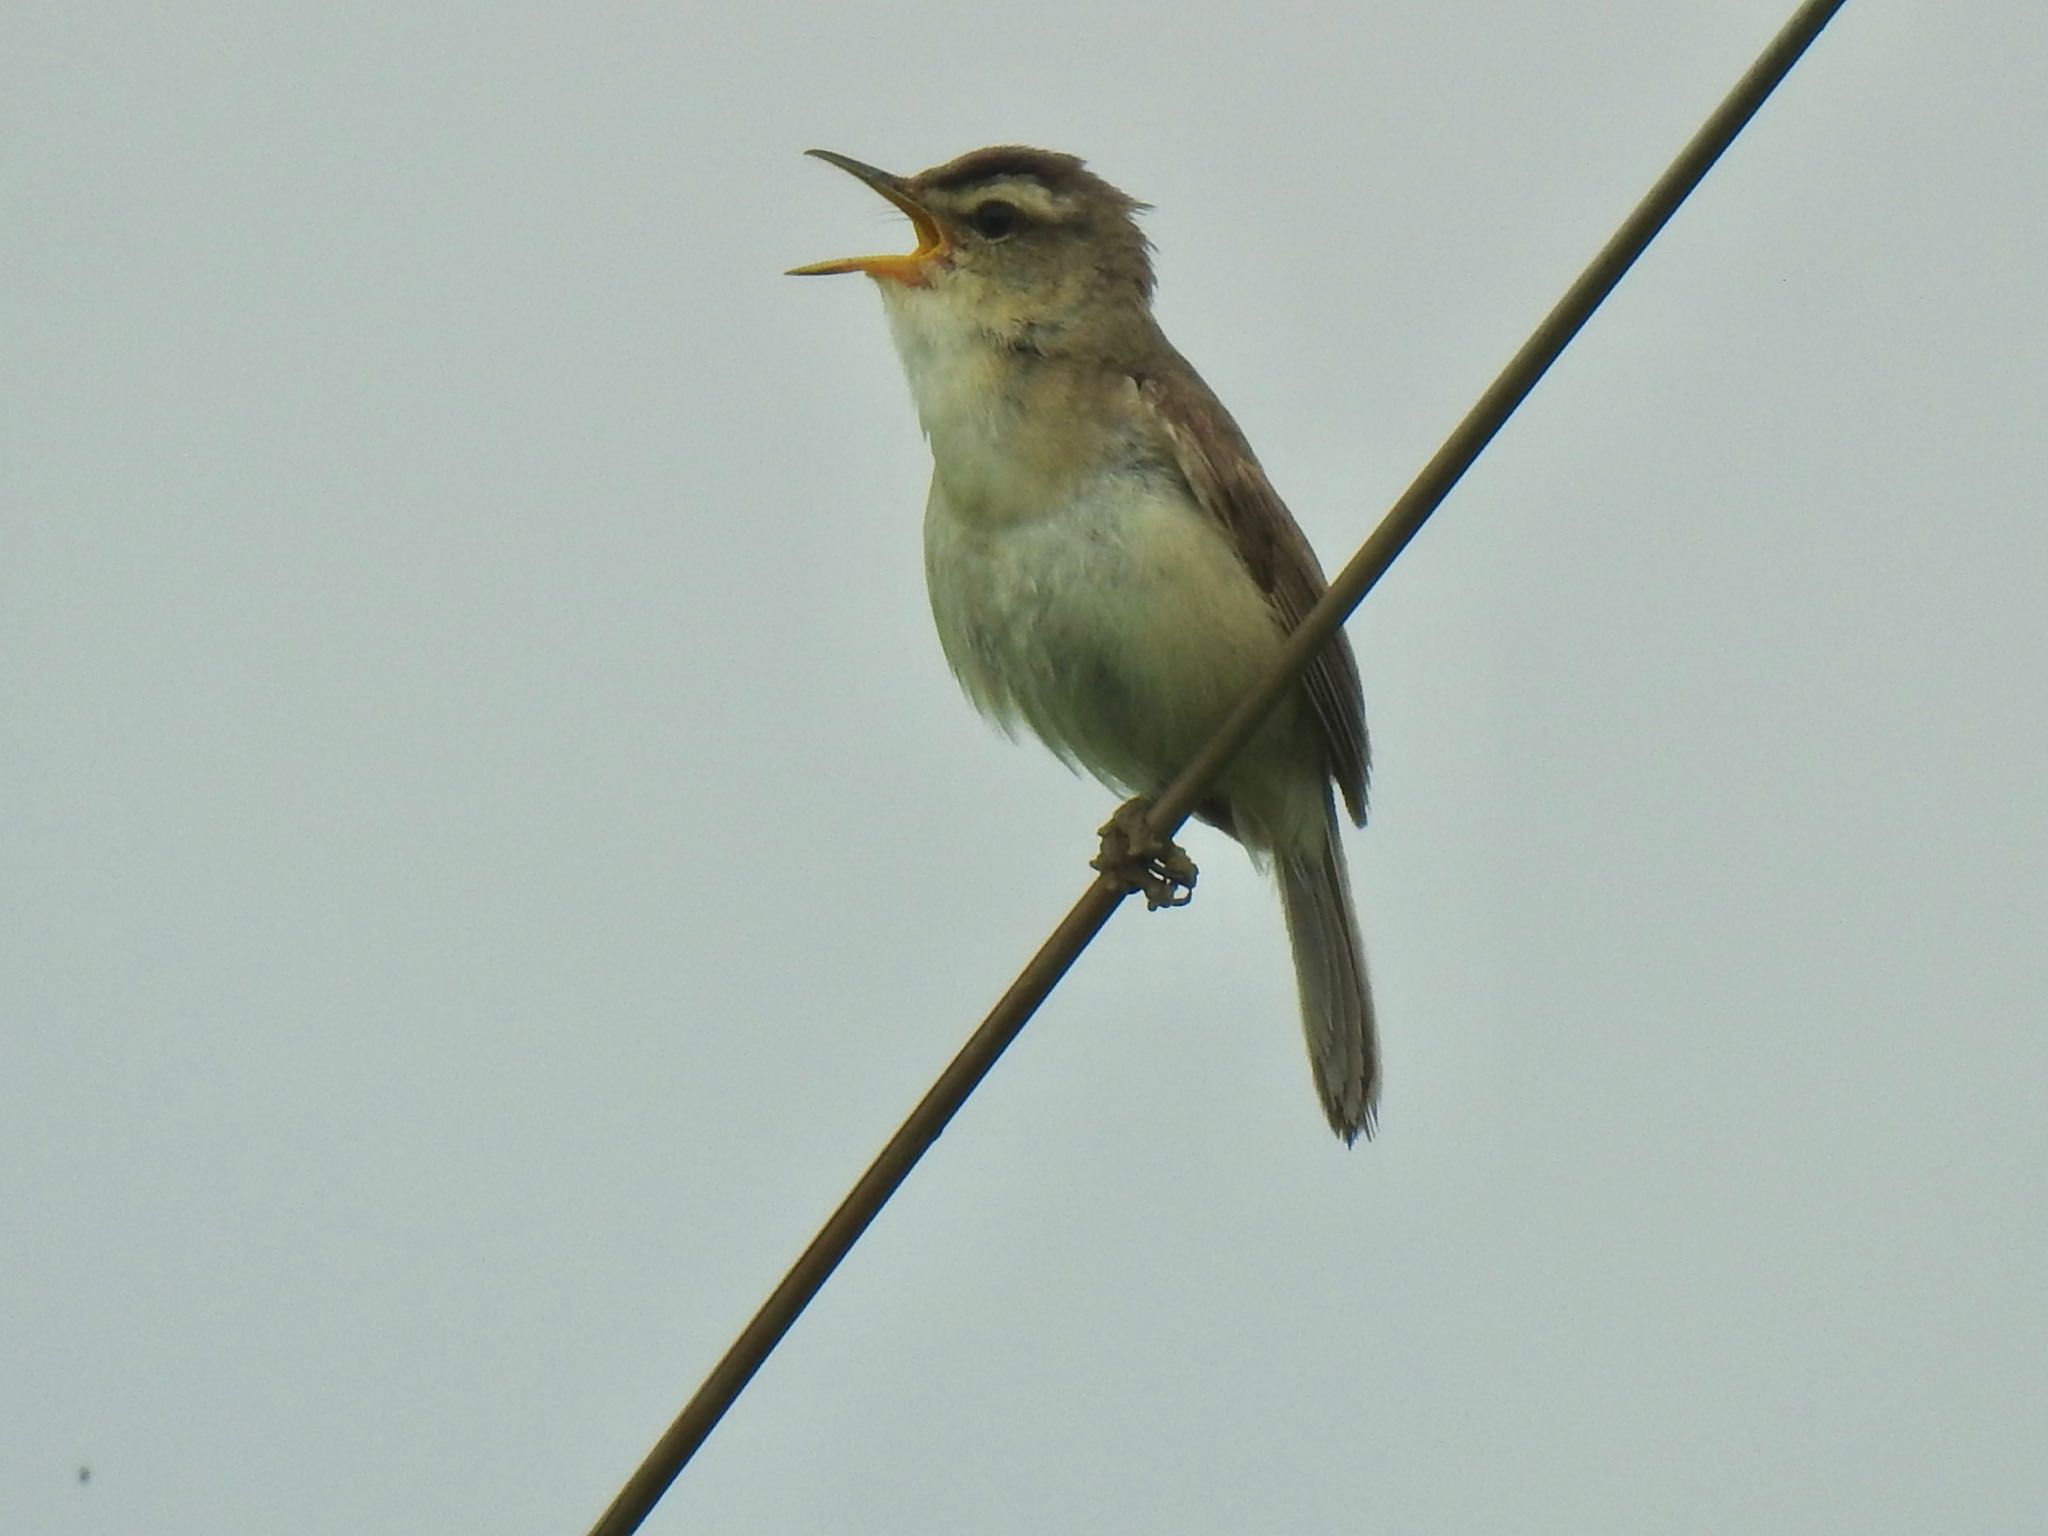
<point x="1329" y="968"/>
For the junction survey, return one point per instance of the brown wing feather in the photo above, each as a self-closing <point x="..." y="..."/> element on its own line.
<point x="1220" y="469"/>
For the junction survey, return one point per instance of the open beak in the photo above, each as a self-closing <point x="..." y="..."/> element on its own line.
<point x="913" y="268"/>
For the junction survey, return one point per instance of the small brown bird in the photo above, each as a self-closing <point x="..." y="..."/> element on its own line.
<point x="1107" y="562"/>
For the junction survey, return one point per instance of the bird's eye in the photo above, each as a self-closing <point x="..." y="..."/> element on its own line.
<point x="996" y="219"/>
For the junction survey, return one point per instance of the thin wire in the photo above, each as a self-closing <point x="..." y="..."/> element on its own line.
<point x="1007" y="1019"/>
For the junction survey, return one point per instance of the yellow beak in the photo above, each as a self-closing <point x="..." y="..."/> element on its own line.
<point x="915" y="266"/>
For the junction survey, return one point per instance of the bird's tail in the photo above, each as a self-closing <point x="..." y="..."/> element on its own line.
<point x="1329" y="968"/>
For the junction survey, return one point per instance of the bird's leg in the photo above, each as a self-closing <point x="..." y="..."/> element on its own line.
<point x="1140" y="860"/>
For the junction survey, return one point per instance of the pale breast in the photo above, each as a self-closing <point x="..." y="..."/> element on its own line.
<point x="1117" y="625"/>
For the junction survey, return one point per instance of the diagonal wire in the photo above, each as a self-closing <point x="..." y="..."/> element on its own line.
<point x="1007" y="1019"/>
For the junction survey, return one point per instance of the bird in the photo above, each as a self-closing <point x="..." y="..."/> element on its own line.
<point x="1108" y="565"/>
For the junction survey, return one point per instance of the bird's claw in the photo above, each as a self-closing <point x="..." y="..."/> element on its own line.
<point x="1140" y="860"/>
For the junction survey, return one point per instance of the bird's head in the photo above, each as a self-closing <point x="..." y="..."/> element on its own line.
<point x="1011" y="236"/>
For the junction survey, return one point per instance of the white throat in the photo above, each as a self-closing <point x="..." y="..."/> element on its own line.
<point x="954" y="364"/>
<point x="962" y="383"/>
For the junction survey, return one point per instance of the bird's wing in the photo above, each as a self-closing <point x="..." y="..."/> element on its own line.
<point x="1221" y="470"/>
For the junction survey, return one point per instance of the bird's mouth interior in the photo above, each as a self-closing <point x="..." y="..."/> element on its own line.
<point x="912" y="267"/>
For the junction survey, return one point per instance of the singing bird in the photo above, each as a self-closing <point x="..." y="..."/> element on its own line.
<point x="1107" y="562"/>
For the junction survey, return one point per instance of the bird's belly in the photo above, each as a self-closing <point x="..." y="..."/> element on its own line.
<point x="1119" y="627"/>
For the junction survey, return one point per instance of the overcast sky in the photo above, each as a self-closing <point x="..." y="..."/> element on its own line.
<point x="489" y="845"/>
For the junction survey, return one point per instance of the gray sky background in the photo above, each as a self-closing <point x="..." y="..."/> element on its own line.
<point x="489" y="846"/>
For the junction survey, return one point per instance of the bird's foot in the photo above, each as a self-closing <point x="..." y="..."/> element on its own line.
<point x="1140" y="860"/>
